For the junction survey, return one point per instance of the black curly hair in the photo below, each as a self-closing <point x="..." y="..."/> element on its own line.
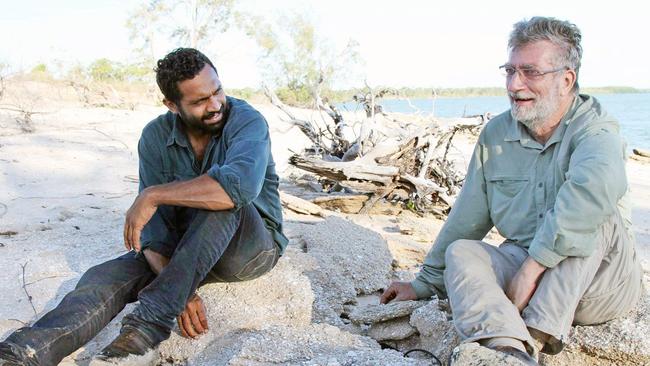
<point x="179" y="65"/>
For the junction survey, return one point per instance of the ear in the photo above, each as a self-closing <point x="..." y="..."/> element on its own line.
<point x="170" y="105"/>
<point x="568" y="82"/>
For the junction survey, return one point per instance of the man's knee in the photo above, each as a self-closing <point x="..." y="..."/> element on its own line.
<point x="616" y="302"/>
<point x="235" y="268"/>
<point x="459" y="250"/>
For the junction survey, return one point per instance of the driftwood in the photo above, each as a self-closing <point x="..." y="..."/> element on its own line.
<point x="24" y="118"/>
<point x="639" y="152"/>
<point x="346" y="171"/>
<point x="300" y="205"/>
<point x="407" y="165"/>
<point x="95" y="96"/>
<point x="356" y="203"/>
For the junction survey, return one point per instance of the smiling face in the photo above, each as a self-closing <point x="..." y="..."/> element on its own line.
<point x="202" y="107"/>
<point x="538" y="102"/>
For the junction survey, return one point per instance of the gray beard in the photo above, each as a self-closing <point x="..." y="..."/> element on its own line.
<point x="534" y="117"/>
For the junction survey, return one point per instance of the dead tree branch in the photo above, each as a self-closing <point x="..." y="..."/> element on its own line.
<point x="29" y="297"/>
<point x="400" y="157"/>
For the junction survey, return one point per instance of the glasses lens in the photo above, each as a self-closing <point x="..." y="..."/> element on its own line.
<point x="531" y="73"/>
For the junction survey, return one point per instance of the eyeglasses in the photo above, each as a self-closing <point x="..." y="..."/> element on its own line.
<point x="529" y="73"/>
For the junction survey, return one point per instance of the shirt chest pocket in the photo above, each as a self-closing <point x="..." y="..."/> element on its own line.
<point x="508" y="185"/>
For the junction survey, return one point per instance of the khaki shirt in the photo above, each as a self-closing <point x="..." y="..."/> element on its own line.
<point x="548" y="198"/>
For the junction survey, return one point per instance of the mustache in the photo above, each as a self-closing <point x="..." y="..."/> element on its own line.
<point x="212" y="114"/>
<point x="520" y="95"/>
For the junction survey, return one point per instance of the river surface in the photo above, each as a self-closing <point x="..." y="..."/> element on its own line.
<point x="631" y="110"/>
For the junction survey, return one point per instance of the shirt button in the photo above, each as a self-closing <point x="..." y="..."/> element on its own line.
<point x="541" y="215"/>
<point x="540" y="185"/>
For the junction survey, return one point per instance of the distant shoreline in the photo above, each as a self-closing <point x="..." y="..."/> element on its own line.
<point x="339" y="96"/>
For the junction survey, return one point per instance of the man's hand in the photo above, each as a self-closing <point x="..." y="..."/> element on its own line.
<point x="399" y="291"/>
<point x="523" y="285"/>
<point x="192" y="321"/>
<point x="137" y="217"/>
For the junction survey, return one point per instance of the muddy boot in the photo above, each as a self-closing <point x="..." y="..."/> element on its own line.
<point x="522" y="356"/>
<point x="12" y="355"/>
<point x="132" y="347"/>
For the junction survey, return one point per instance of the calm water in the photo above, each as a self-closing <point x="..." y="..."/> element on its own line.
<point x="631" y="110"/>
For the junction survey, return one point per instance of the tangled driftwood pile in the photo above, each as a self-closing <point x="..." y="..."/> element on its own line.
<point x="380" y="156"/>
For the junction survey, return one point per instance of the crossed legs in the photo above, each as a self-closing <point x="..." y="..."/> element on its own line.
<point x="217" y="247"/>
<point x="583" y="290"/>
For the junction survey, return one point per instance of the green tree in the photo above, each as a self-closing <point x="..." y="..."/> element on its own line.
<point x="40" y="69"/>
<point x="104" y="69"/>
<point x="189" y="23"/>
<point x="143" y="25"/>
<point x="295" y="59"/>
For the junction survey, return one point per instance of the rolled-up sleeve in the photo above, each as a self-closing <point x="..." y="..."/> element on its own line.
<point x="468" y="219"/>
<point x="595" y="182"/>
<point x="248" y="147"/>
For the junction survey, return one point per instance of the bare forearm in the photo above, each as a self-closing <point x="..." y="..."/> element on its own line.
<point x="202" y="192"/>
<point x="532" y="269"/>
<point x="523" y="285"/>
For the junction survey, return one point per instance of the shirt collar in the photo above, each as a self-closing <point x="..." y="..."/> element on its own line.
<point x="177" y="135"/>
<point x="516" y="131"/>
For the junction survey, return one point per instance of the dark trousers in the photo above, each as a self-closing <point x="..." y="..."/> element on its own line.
<point x="218" y="246"/>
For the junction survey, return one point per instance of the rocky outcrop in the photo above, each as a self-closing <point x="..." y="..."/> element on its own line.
<point x="473" y="354"/>
<point x="371" y="314"/>
<point x="287" y="317"/>
<point x="349" y="261"/>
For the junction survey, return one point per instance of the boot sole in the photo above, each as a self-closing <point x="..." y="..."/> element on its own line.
<point x="148" y="359"/>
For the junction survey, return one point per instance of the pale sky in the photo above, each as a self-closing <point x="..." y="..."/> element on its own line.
<point x="402" y="43"/>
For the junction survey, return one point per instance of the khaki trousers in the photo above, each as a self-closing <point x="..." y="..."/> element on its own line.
<point x="579" y="290"/>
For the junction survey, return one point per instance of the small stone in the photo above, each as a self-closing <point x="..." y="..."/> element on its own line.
<point x="391" y="330"/>
<point x="437" y="332"/>
<point x="379" y="313"/>
<point x="476" y="355"/>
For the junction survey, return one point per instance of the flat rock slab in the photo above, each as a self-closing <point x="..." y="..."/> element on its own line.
<point x="437" y="332"/>
<point x="349" y="261"/>
<point x="370" y="314"/>
<point x="281" y="297"/>
<point x="314" y="344"/>
<point x="391" y="330"/>
<point x="473" y="354"/>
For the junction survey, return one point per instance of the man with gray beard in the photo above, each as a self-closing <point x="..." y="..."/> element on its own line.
<point x="550" y="176"/>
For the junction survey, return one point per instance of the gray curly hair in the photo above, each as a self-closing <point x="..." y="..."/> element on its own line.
<point x="562" y="33"/>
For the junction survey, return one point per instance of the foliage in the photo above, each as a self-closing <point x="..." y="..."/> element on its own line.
<point x="39" y="69"/>
<point x="294" y="59"/>
<point x="612" y="90"/>
<point x="106" y="70"/>
<point x="188" y="23"/>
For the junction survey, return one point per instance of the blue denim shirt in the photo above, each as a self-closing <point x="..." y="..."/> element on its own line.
<point x="239" y="158"/>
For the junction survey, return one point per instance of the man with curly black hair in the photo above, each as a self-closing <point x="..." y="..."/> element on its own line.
<point x="208" y="210"/>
